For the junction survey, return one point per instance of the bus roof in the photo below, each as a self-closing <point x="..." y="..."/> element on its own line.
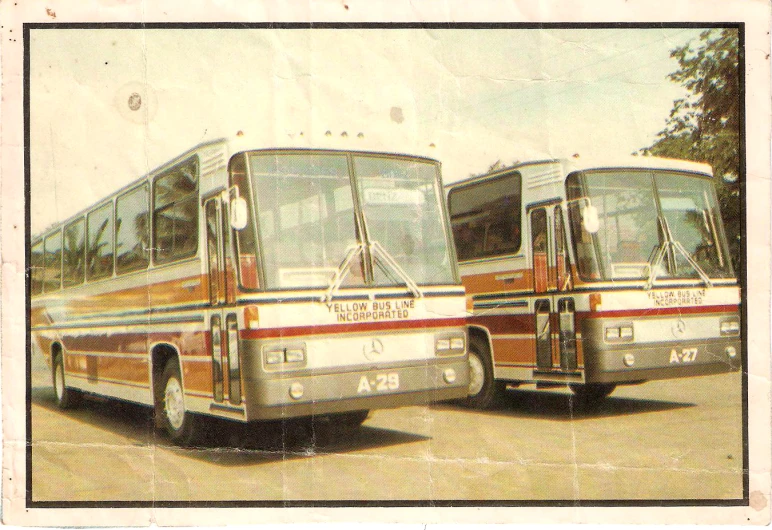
<point x="635" y="162"/>
<point x="240" y="142"/>
<point x="569" y="165"/>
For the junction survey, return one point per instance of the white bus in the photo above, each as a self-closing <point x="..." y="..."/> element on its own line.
<point x="256" y="284"/>
<point x="593" y="275"/>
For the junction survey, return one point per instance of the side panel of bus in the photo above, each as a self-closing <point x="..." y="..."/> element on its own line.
<point x="521" y="298"/>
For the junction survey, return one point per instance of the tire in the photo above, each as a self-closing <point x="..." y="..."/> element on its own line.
<point x="179" y="424"/>
<point x="65" y="397"/>
<point x="592" y="393"/>
<point x="483" y="390"/>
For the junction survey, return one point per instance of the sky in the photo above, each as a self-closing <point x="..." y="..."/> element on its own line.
<point x="465" y="97"/>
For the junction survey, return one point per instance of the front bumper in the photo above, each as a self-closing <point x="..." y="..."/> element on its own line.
<point x="658" y="362"/>
<point x="656" y="353"/>
<point x="268" y="396"/>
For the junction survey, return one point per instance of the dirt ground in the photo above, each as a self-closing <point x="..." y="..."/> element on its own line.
<point x="676" y="439"/>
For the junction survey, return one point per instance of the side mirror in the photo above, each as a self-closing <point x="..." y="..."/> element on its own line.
<point x="590" y="220"/>
<point x="239" y="213"/>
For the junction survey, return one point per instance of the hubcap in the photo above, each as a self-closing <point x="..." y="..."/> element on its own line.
<point x="476" y="374"/>
<point x="174" y="407"/>
<point x="59" y="381"/>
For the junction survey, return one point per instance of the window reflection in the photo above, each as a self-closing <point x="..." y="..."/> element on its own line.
<point x="99" y="251"/>
<point x="486" y="217"/>
<point x="52" y="275"/>
<point x="132" y="236"/>
<point x="175" y="217"/>
<point x="74" y="254"/>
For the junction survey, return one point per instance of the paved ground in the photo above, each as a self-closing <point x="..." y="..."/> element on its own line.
<point x="679" y="439"/>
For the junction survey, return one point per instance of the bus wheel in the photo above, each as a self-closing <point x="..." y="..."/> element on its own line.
<point x="178" y="423"/>
<point x="65" y="397"/>
<point x="482" y="390"/>
<point x="592" y="393"/>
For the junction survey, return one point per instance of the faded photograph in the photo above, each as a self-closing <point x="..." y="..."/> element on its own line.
<point x="386" y="265"/>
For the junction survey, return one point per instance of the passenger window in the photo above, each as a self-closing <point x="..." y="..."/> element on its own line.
<point x="52" y="275"/>
<point x="245" y="239"/>
<point x="132" y="241"/>
<point x="36" y="268"/>
<point x="561" y="252"/>
<point x="74" y="254"/>
<point x="99" y="251"/>
<point x="175" y="214"/>
<point x="486" y="217"/>
<point x="541" y="265"/>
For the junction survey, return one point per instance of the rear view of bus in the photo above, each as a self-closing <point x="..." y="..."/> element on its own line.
<point x="595" y="275"/>
<point x="262" y="284"/>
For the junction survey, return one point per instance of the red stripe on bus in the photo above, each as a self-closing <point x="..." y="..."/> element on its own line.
<point x="506" y="324"/>
<point x="331" y="329"/>
<point x="663" y="311"/>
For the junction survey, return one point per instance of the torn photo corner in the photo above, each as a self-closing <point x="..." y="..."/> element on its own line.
<point x="372" y="261"/>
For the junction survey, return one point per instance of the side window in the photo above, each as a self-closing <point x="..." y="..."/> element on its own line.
<point x="36" y="268"/>
<point x="539" y="247"/>
<point x="99" y="251"/>
<point x="539" y="231"/>
<point x="245" y="239"/>
<point x="486" y="217"/>
<point x="74" y="253"/>
<point x="561" y="251"/>
<point x="52" y="275"/>
<point x="175" y="213"/>
<point x="132" y="242"/>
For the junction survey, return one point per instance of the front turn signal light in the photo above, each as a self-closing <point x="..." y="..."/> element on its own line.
<point x="251" y="317"/>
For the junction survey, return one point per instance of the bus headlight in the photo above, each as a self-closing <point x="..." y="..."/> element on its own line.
<point x="619" y="333"/>
<point x="457" y="343"/>
<point x="450" y="344"/>
<point x="279" y="354"/>
<point x="730" y="326"/>
<point x="443" y="344"/>
<point x="294" y="355"/>
<point x="274" y="357"/>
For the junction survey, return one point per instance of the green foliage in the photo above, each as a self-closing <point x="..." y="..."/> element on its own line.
<point x="705" y="125"/>
<point x="496" y="166"/>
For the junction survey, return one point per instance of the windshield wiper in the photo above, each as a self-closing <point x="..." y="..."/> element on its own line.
<point x="670" y="243"/>
<point x="342" y="270"/>
<point x="680" y="248"/>
<point x="388" y="259"/>
<point x="355" y="251"/>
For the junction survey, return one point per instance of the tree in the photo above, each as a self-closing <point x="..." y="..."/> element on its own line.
<point x="705" y="125"/>
<point x="497" y="165"/>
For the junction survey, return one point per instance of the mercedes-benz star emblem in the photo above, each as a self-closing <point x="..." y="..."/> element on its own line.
<point x="679" y="328"/>
<point x="373" y="349"/>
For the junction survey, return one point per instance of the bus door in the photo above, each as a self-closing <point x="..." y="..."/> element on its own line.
<point x="223" y="326"/>
<point x="555" y="349"/>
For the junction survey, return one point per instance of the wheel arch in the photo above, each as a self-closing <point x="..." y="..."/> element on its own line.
<point x="160" y="354"/>
<point x="483" y="334"/>
<point x="56" y="349"/>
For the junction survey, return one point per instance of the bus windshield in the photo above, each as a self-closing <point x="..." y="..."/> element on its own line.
<point x="307" y="220"/>
<point x="652" y="224"/>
